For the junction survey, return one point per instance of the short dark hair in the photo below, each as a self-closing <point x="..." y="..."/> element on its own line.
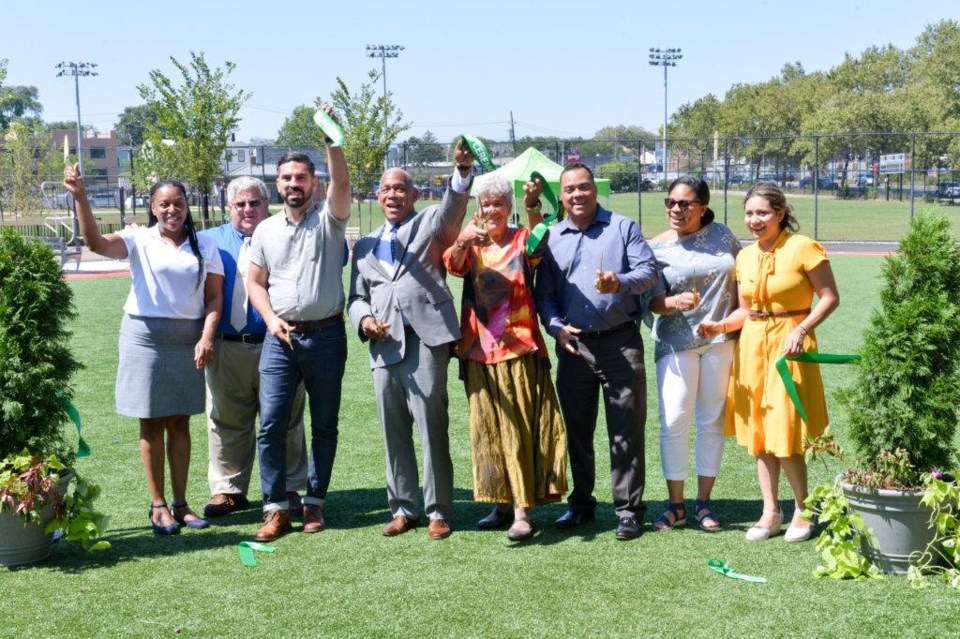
<point x="702" y="190"/>
<point x="296" y="156"/>
<point x="576" y="166"/>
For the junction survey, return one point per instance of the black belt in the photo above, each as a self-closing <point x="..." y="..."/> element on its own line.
<point x="609" y="331"/>
<point x="312" y="326"/>
<point x="243" y="338"/>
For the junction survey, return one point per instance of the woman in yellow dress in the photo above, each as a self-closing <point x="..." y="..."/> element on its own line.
<point x="777" y="277"/>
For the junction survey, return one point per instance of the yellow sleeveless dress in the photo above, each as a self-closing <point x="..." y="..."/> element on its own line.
<point x="759" y="411"/>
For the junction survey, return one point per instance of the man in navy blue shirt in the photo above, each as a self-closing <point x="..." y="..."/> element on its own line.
<point x="588" y="297"/>
<point x="233" y="380"/>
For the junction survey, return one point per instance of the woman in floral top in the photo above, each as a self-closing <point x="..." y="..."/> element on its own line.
<point x="517" y="434"/>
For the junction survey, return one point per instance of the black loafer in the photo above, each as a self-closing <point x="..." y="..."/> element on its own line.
<point x="496" y="520"/>
<point x="573" y="518"/>
<point x="628" y="528"/>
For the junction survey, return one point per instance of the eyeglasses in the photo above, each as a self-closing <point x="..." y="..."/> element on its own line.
<point x="251" y="203"/>
<point x="683" y="204"/>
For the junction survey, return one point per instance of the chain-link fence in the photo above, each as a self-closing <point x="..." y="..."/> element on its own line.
<point x="863" y="186"/>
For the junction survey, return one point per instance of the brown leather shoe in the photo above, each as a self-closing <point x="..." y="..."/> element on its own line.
<point x="438" y="529"/>
<point x="224" y="503"/>
<point x="276" y="523"/>
<point x="398" y="526"/>
<point x="312" y="518"/>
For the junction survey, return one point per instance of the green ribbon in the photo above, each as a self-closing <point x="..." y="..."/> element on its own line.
<point x="719" y="565"/>
<point x="329" y="126"/>
<point x="246" y="548"/>
<point x="83" y="450"/>
<point x="815" y="358"/>
<point x="536" y="235"/>
<point x="479" y="151"/>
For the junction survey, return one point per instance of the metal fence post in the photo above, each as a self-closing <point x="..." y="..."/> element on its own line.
<point x="816" y="186"/>
<point x="913" y="169"/>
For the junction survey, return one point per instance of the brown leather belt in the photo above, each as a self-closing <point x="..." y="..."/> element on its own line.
<point x="312" y="326"/>
<point x="759" y="315"/>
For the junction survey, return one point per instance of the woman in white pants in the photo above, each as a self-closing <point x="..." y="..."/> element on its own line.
<point x="697" y="259"/>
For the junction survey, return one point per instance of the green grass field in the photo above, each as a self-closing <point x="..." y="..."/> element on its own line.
<point x="351" y="581"/>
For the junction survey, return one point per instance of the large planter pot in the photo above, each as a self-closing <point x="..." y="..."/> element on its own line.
<point x="899" y="522"/>
<point x="23" y="542"/>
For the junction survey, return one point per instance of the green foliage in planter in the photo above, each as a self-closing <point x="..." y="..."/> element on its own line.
<point x="908" y="385"/>
<point x="35" y="359"/>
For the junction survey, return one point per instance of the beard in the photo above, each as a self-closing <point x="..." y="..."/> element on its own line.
<point x="294" y="198"/>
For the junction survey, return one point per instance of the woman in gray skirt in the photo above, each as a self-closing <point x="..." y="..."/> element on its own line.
<point x="166" y="336"/>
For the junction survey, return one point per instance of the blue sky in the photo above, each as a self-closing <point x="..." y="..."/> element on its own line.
<point x="564" y="68"/>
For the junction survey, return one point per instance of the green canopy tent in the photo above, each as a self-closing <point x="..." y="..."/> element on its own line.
<point x="517" y="172"/>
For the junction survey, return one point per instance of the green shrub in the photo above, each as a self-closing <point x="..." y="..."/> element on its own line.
<point x="907" y="392"/>
<point x="35" y="360"/>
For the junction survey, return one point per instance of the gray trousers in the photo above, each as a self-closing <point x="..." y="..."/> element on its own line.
<point x="233" y="386"/>
<point x="414" y="390"/>
<point x="612" y="363"/>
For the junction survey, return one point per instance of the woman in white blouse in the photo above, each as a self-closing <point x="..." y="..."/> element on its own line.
<point x="166" y="336"/>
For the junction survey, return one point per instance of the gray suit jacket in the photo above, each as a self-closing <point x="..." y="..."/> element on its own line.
<point x="418" y="285"/>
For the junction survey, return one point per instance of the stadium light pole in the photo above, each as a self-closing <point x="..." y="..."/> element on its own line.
<point x="384" y="51"/>
<point x="664" y="58"/>
<point x="77" y="69"/>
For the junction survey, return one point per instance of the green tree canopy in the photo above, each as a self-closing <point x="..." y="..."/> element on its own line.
<point x="370" y="125"/>
<point x="299" y="130"/>
<point x="19" y="103"/>
<point x="197" y="115"/>
<point x="132" y="124"/>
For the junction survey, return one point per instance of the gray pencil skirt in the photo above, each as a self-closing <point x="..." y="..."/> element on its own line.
<point x="156" y="376"/>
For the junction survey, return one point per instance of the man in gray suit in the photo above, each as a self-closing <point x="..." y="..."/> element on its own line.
<point x="400" y="302"/>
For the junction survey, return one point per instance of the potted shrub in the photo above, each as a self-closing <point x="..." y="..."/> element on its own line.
<point x="38" y="495"/>
<point x="902" y="411"/>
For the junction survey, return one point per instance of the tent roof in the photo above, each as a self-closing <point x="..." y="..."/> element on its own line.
<point x="518" y="172"/>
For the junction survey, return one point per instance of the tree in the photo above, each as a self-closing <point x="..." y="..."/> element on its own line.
<point x="28" y="159"/>
<point x="425" y="150"/>
<point x="300" y="131"/>
<point x="370" y="126"/>
<point x="197" y="116"/>
<point x="17" y="103"/>
<point x="132" y="124"/>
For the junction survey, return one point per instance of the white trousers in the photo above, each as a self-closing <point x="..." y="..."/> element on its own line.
<point x="692" y="385"/>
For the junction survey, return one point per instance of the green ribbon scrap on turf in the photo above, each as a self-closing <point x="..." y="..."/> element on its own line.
<point x="246" y="548"/>
<point x="83" y="450"/>
<point x="479" y="151"/>
<point x="330" y="128"/>
<point x="719" y="565"/>
<point x="815" y="358"/>
<point x="536" y="235"/>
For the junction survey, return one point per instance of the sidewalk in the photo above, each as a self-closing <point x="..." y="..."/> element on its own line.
<point x="93" y="264"/>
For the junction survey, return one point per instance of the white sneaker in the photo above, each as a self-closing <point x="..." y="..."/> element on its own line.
<point x="759" y="533"/>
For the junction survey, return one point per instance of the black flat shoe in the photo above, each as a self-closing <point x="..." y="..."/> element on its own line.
<point x="159" y="529"/>
<point x="573" y="518"/>
<point x="520" y="535"/>
<point x="496" y="520"/>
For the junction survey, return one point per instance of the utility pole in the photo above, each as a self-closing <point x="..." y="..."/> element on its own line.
<point x="513" y="135"/>
<point x="77" y="69"/>
<point x="384" y="51"/>
<point x="664" y="58"/>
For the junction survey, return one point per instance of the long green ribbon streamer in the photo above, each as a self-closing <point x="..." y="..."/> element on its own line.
<point x="329" y="127"/>
<point x="719" y="565"/>
<point x="536" y="235"/>
<point x="83" y="450"/>
<point x="815" y="358"/>
<point x="479" y="151"/>
<point x="246" y="548"/>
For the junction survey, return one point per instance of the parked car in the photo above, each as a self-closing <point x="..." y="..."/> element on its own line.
<point x="824" y="183"/>
<point x="948" y="190"/>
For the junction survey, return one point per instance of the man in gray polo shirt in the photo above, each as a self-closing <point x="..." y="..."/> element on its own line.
<point x="295" y="283"/>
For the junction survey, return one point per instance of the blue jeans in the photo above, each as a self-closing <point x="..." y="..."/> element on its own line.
<point x="318" y="359"/>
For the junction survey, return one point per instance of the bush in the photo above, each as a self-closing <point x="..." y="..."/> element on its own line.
<point x="35" y="361"/>
<point x="907" y="392"/>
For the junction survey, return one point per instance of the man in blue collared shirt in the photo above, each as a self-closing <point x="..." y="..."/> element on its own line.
<point x="233" y="380"/>
<point x="588" y="297"/>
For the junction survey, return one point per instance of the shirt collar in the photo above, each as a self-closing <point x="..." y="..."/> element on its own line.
<point x="602" y="217"/>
